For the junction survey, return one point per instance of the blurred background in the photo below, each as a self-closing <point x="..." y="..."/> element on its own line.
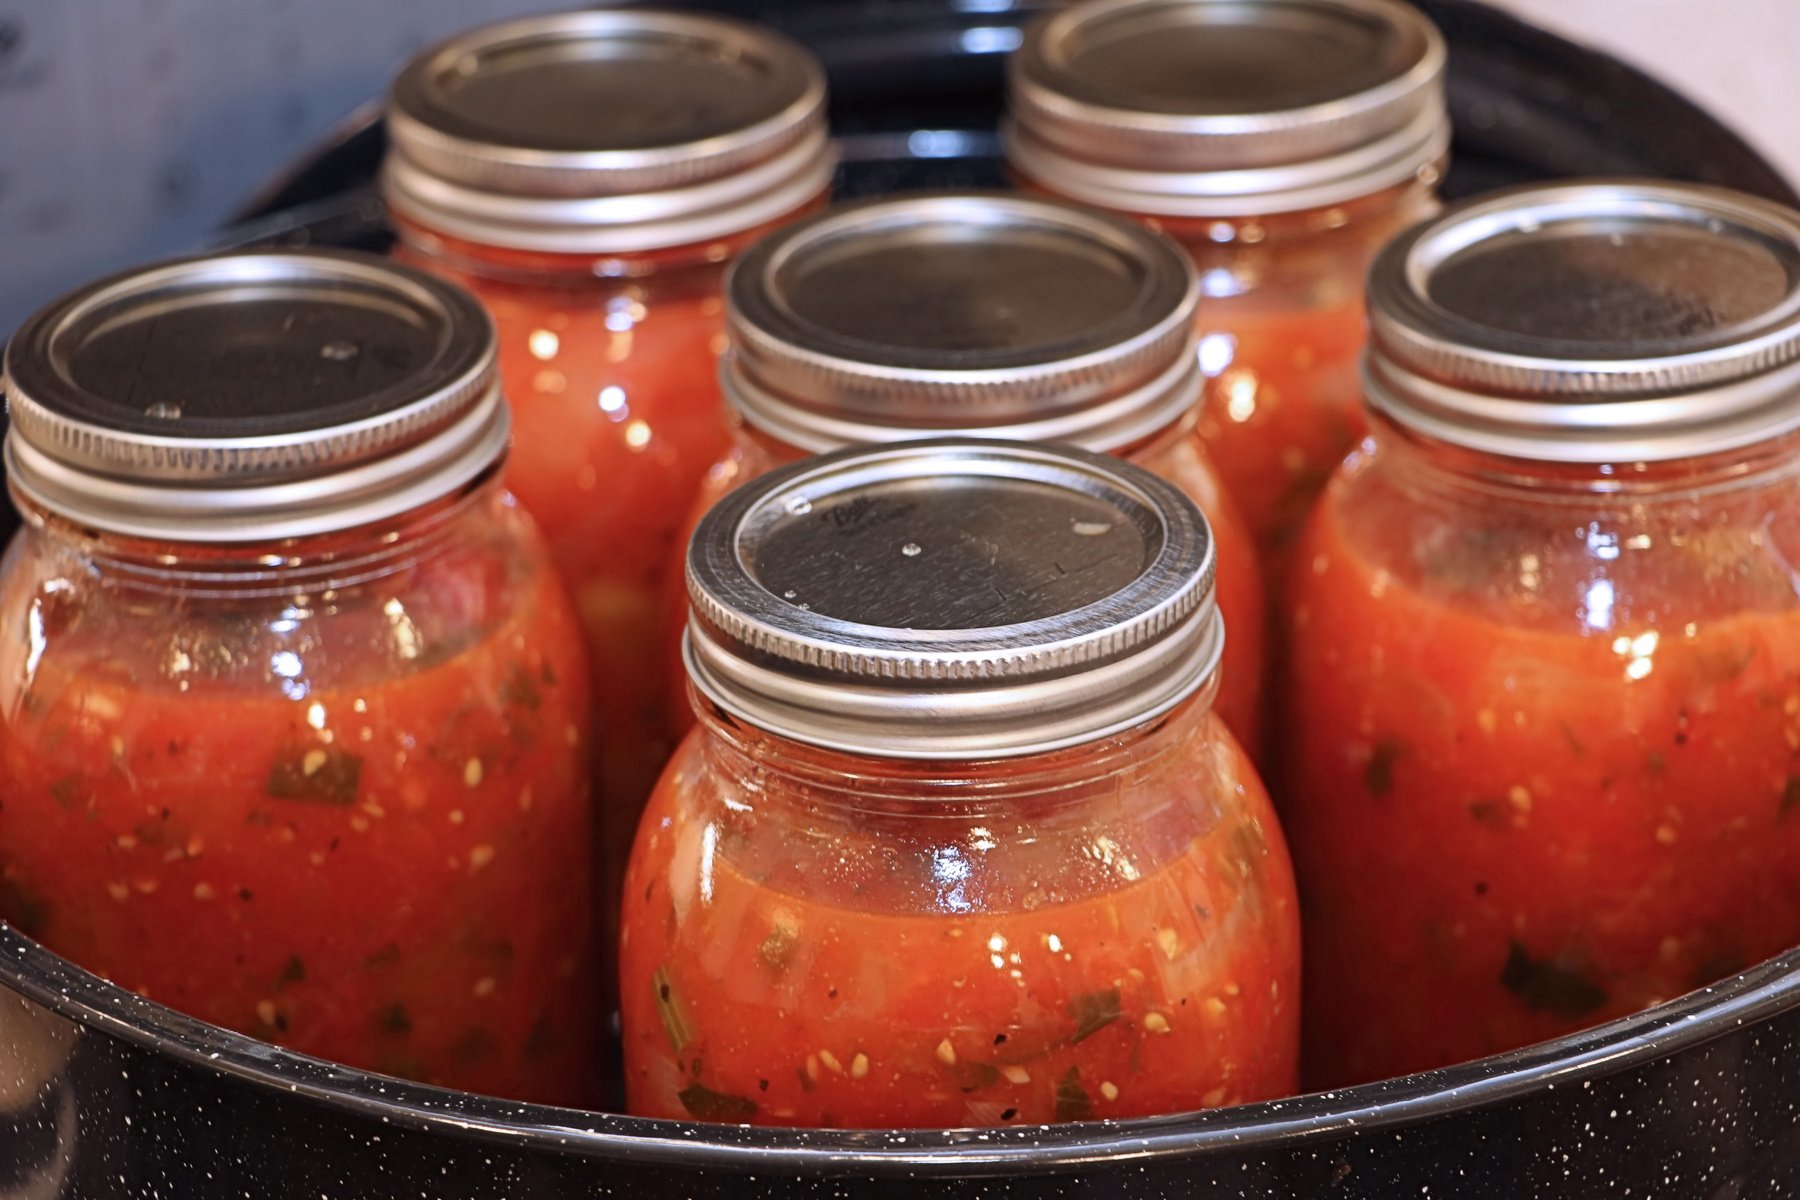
<point x="129" y="128"/>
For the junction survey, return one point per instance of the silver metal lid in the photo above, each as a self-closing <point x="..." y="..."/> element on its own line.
<point x="1608" y="321"/>
<point x="989" y="314"/>
<point x="1227" y="108"/>
<point x="255" y="396"/>
<point x="607" y="131"/>
<point x="952" y="599"/>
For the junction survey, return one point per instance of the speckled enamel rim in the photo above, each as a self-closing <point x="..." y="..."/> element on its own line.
<point x="1748" y="999"/>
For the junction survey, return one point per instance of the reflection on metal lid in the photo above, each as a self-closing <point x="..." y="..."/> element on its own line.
<point x="607" y="130"/>
<point x="1227" y="107"/>
<point x="256" y="395"/>
<point x="1603" y="321"/>
<point x="996" y="314"/>
<point x="952" y="599"/>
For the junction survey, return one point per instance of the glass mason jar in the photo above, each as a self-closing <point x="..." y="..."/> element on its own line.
<point x="292" y="711"/>
<point x="983" y="315"/>
<point x="1545" y="692"/>
<point x="1283" y="143"/>
<point x="958" y="840"/>
<point x="589" y="176"/>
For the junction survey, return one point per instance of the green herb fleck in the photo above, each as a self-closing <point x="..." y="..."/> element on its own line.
<point x="387" y="956"/>
<point x="316" y="775"/>
<point x="1092" y="1012"/>
<point x="704" y="1104"/>
<point x="541" y="1040"/>
<point x="394" y="1019"/>
<point x="973" y="1076"/>
<point x="23" y="908"/>
<point x="1378" y="776"/>
<point x="1655" y="762"/>
<point x="1568" y="733"/>
<point x="1546" y="987"/>
<point x="293" y="972"/>
<point x="777" y="946"/>
<point x="521" y="689"/>
<point x="1790" y="795"/>
<point x="63" y="791"/>
<point x="1488" y="812"/>
<point x="1072" y="1103"/>
<point x="806" y="1083"/>
<point x="476" y="1046"/>
<point x="668" y="1007"/>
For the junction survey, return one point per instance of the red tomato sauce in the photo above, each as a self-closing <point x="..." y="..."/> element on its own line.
<point x="1508" y="829"/>
<point x="389" y="873"/>
<point x="781" y="998"/>
<point x="616" y="416"/>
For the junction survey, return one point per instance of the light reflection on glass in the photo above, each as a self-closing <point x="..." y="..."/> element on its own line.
<point x="1599" y="605"/>
<point x="991" y="39"/>
<point x="1216" y="352"/>
<point x="951" y="871"/>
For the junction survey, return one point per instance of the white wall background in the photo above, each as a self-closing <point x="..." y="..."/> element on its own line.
<point x="1739" y="58"/>
<point x="128" y="128"/>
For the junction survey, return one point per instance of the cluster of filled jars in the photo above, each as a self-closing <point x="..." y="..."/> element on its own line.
<point x="820" y="664"/>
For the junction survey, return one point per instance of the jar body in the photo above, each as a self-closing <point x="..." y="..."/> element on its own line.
<point x="1544" y="736"/>
<point x="819" y="939"/>
<point x="335" y="797"/>
<point x="1177" y="456"/>
<point x="609" y="363"/>
<point x="1282" y="327"/>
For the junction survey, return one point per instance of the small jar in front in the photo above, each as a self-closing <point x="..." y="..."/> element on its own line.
<point x="1282" y="144"/>
<point x="914" y="870"/>
<point x="589" y="177"/>
<point x="293" y="718"/>
<point x="1544" y="695"/>
<point x="981" y="314"/>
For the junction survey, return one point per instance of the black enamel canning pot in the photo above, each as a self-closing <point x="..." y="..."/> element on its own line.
<point x="103" y="1094"/>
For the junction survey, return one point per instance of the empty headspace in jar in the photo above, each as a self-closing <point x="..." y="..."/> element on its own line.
<point x="1226" y="108"/>
<point x="1606" y="321"/>
<point x="987" y="313"/>
<point x="251" y="396"/>
<point x="952" y="599"/>
<point x="608" y="131"/>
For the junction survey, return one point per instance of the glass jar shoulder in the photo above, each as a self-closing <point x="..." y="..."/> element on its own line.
<point x="978" y="964"/>
<point x="352" y="612"/>
<point x="1555" y="560"/>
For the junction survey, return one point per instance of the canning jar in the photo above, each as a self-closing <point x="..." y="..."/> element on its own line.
<point x="958" y="840"/>
<point x="1283" y="143"/>
<point x="982" y="315"/>
<point x="1545" y="690"/>
<point x="292" y="711"/>
<point x="589" y="176"/>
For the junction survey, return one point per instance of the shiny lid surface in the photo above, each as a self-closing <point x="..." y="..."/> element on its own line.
<point x="249" y="396"/>
<point x="952" y="599"/>
<point x="1603" y="321"/>
<point x="1227" y="107"/>
<point x="995" y="314"/>
<point x="607" y="130"/>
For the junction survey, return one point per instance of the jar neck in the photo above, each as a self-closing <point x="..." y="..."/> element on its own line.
<point x="855" y="787"/>
<point x="506" y="265"/>
<point x="1377" y="215"/>
<point x="758" y="441"/>
<point x="1477" y="474"/>
<point x="339" y="560"/>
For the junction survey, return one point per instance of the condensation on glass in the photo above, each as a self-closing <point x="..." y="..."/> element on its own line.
<point x="589" y="176"/>
<point x="293" y="713"/>
<point x="958" y="840"/>
<point x="1283" y="143"/>
<point x="982" y="314"/>
<point x="1545" y="687"/>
